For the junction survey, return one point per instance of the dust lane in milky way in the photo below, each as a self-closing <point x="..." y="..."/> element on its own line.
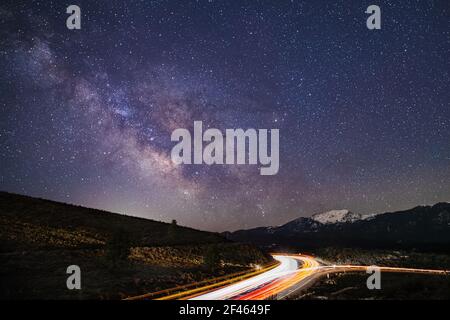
<point x="363" y="116"/>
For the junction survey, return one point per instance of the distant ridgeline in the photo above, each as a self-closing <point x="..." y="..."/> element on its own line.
<point x="38" y="222"/>
<point x="422" y="227"/>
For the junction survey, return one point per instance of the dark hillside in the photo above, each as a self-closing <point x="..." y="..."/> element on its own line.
<point x="118" y="255"/>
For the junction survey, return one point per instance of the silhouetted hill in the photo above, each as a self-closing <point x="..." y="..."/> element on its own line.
<point x="118" y="255"/>
<point x="422" y="227"/>
<point x="48" y="222"/>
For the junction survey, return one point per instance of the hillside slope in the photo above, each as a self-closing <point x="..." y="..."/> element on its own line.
<point x="30" y="216"/>
<point x="39" y="239"/>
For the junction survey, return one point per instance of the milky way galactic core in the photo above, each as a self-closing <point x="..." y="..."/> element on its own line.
<point x="359" y="92"/>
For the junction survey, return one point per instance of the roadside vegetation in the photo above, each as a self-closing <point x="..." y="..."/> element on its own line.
<point x="392" y="258"/>
<point x="352" y="286"/>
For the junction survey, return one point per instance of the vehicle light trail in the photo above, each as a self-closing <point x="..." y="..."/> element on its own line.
<point x="286" y="267"/>
<point x="294" y="273"/>
<point x="285" y="280"/>
<point x="292" y="269"/>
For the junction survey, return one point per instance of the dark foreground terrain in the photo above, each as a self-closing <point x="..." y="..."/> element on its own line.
<point x="118" y="255"/>
<point x="352" y="286"/>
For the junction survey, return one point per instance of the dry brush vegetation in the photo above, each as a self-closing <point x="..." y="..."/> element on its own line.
<point x="118" y="255"/>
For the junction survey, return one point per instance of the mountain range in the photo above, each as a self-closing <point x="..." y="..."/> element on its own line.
<point x="422" y="227"/>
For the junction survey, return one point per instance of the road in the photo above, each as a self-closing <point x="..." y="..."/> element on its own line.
<point x="292" y="270"/>
<point x="295" y="272"/>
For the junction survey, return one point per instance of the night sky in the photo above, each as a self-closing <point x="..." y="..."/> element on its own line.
<point x="364" y="116"/>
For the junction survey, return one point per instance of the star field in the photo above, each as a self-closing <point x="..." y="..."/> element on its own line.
<point x="364" y="115"/>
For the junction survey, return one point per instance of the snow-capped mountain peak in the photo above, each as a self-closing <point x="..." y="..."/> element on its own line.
<point x="336" y="216"/>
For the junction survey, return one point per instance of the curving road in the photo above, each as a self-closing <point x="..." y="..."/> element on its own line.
<point x="292" y="270"/>
<point x="295" y="272"/>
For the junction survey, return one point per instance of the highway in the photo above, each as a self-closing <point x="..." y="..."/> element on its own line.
<point x="294" y="272"/>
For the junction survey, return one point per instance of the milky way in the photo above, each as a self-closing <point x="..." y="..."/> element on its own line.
<point x="364" y="116"/>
